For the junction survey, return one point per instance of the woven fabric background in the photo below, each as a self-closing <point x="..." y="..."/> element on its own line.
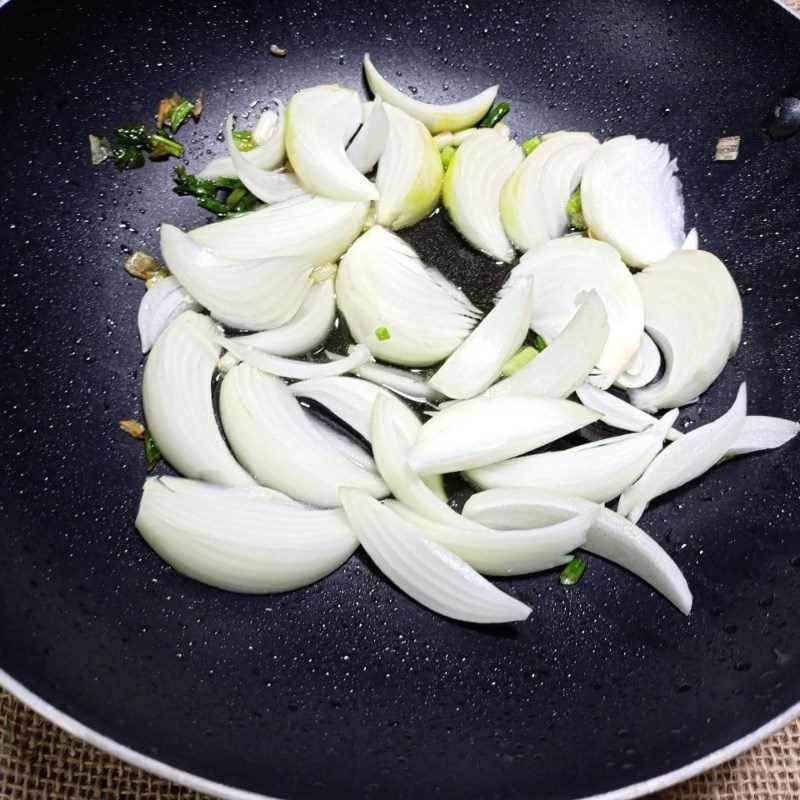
<point x="40" y="762"/>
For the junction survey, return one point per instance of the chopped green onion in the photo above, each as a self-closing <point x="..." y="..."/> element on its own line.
<point x="572" y="572"/>
<point x="494" y="115"/>
<point x="529" y="145"/>
<point x="156" y="277"/>
<point x="519" y="360"/>
<point x="210" y="204"/>
<point x="162" y="145"/>
<point x="239" y="193"/>
<point x="128" y="156"/>
<point x="227" y="183"/>
<point x="539" y="343"/>
<point x="151" y="451"/>
<point x="180" y="114"/>
<point x="245" y="204"/>
<point x="382" y="334"/>
<point x="447" y="154"/>
<point x="575" y="211"/>
<point x="244" y="141"/>
<point x="190" y="184"/>
<point x="135" y="134"/>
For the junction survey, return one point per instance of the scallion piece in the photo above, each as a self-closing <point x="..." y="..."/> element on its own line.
<point x="529" y="145"/>
<point x="447" y="154"/>
<point x="244" y="140"/>
<point x="519" y="360"/>
<point x="128" y="156"/>
<point x="494" y="115"/>
<point x="539" y="343"/>
<point x="227" y="183"/>
<point x="180" y="114"/>
<point x="575" y="211"/>
<point x="186" y="183"/>
<point x="235" y="196"/>
<point x="572" y="572"/>
<point x="210" y="204"/>
<point x="151" y="451"/>
<point x="162" y="145"/>
<point x="245" y="204"/>
<point x="382" y="334"/>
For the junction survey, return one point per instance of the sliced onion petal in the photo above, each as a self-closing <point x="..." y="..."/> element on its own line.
<point x="162" y="303"/>
<point x="647" y="365"/>
<point x="692" y="241"/>
<point x="370" y="141"/>
<point x="611" y="536"/>
<point x="686" y="459"/>
<point x="249" y="540"/>
<point x="176" y="395"/>
<point x="426" y="571"/>
<point x="763" y="433"/>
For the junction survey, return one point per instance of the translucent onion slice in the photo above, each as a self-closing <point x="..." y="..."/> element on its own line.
<point x="289" y="368"/>
<point x="426" y="571"/>
<point x="162" y="303"/>
<point x="632" y="199"/>
<point x="410" y="385"/>
<point x="249" y="540"/>
<point x="504" y="553"/>
<point x="686" y="459"/>
<point x="305" y="331"/>
<point x="647" y="365"/>
<point x="598" y="471"/>
<point x="410" y="171"/>
<point x="270" y="152"/>
<point x="303" y="226"/>
<point x="562" y="269"/>
<point x="693" y="311"/>
<point x="471" y="190"/>
<point x="266" y="185"/>
<point x="616" y="412"/>
<point x="485" y="430"/>
<point x="370" y="141"/>
<point x="278" y="441"/>
<point x="611" y="536"/>
<point x="566" y="362"/>
<point x="382" y="283"/>
<point x="176" y="395"/>
<point x="533" y="203"/>
<point x="252" y="294"/>
<point x="320" y="121"/>
<point x="436" y="118"/>
<point x="763" y="433"/>
<point x="352" y="400"/>
<point x="479" y="359"/>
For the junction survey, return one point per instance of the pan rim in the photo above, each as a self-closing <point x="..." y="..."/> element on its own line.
<point x="224" y="792"/>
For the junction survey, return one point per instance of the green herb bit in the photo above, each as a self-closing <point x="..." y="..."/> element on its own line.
<point x="382" y="334"/>
<point x="572" y="572"/>
<point x="186" y="183"/>
<point x="162" y="145"/>
<point x="227" y="183"/>
<point x="529" y="145"/>
<point x="151" y="451"/>
<point x="210" y="204"/>
<point x="245" y="204"/>
<point x="447" y="154"/>
<point x="494" y="115"/>
<point x="235" y="196"/>
<point x="180" y="114"/>
<point x="519" y="360"/>
<point x="135" y="134"/>
<point x="128" y="156"/>
<point x="575" y="211"/>
<point x="539" y="343"/>
<point x="156" y="277"/>
<point x="724" y="459"/>
<point x="244" y="141"/>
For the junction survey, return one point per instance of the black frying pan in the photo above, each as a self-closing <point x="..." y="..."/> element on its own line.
<point x="348" y="689"/>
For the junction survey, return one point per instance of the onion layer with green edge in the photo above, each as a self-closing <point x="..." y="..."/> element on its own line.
<point x="251" y="540"/>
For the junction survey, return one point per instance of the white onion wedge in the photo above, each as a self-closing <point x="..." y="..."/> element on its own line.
<point x="176" y="396"/>
<point x="611" y="536"/>
<point x="410" y="172"/>
<point x="163" y="302"/>
<point x="436" y="118"/>
<point x="598" y="471"/>
<point x="382" y="283"/>
<point x="648" y="363"/>
<point x="485" y="430"/>
<point x="320" y="121"/>
<point x="533" y="203"/>
<point x="561" y="270"/>
<point x="251" y="540"/>
<point x="303" y="226"/>
<point x="632" y="199"/>
<point x="426" y="571"/>
<point x="370" y="141"/>
<point x="306" y="330"/>
<point x="692" y="241"/>
<point x="290" y="368"/>
<point x="479" y="359"/>
<point x="269" y="153"/>
<point x="565" y="363"/>
<point x="266" y="185"/>
<point x="686" y="459"/>
<point x="278" y="441"/>
<point x="410" y="385"/>
<point x="617" y="413"/>
<point x="252" y="294"/>
<point x="471" y="190"/>
<point x="693" y="312"/>
<point x="763" y="433"/>
<point x="352" y="400"/>
<point x="504" y="553"/>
